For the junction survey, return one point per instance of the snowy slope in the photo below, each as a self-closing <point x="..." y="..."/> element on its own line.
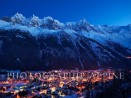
<point x="49" y="43"/>
<point x="102" y="35"/>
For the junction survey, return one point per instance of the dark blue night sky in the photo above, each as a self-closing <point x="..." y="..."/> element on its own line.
<point x="112" y="12"/>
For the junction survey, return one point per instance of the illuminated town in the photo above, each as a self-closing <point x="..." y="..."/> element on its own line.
<point x="57" y="83"/>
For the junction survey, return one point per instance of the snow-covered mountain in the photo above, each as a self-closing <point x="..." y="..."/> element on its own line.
<point x="40" y="44"/>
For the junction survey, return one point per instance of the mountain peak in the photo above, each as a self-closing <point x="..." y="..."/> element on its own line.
<point x="53" y="24"/>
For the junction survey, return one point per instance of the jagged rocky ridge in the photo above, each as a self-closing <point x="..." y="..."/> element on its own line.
<point x="46" y="44"/>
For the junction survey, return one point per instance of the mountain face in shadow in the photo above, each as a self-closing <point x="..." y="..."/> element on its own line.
<point x="21" y="50"/>
<point x="54" y="45"/>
